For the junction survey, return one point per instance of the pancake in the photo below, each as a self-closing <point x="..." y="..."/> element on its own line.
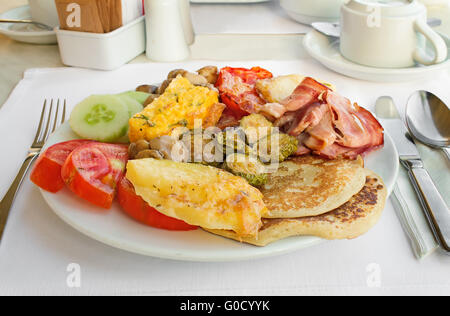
<point x="310" y="186"/>
<point x="348" y="221"/>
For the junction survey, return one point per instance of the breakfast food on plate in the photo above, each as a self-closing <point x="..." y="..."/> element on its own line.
<point x="199" y="195"/>
<point x="237" y="87"/>
<point x="275" y="90"/>
<point x="47" y="169"/>
<point x="237" y="152"/>
<point x="135" y="207"/>
<point x="310" y="186"/>
<point x="93" y="170"/>
<point x="229" y="150"/>
<point x="104" y="117"/>
<point x="179" y="106"/>
<point x="140" y="96"/>
<point x="348" y="221"/>
<point x="326" y="123"/>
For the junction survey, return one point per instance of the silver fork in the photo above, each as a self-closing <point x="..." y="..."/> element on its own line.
<point x="47" y="125"/>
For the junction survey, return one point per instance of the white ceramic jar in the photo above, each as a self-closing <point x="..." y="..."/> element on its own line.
<point x="388" y="34"/>
<point x="169" y="30"/>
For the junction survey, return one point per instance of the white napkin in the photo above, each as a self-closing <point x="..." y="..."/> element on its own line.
<point x="38" y="247"/>
<point x="438" y="166"/>
<point x="412" y="217"/>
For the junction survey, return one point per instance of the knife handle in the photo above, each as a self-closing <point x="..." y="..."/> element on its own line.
<point x="437" y="211"/>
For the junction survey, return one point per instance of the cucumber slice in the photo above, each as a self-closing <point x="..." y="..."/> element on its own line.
<point x="133" y="105"/>
<point x="100" y="117"/>
<point x="137" y="95"/>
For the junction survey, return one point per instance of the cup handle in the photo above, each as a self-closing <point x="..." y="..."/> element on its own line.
<point x="440" y="47"/>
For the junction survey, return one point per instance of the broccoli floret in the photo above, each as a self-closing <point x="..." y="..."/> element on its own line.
<point x="285" y="146"/>
<point x="247" y="167"/>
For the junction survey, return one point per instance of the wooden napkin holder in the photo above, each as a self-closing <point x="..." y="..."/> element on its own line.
<point x="96" y="16"/>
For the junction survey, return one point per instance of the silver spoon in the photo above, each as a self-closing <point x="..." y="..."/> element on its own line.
<point x="44" y="26"/>
<point x="428" y="120"/>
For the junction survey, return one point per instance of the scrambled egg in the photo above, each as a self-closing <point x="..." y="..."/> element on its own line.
<point x="199" y="195"/>
<point x="179" y="106"/>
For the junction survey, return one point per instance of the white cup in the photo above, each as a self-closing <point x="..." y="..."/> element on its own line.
<point x="44" y="11"/>
<point x="388" y="34"/>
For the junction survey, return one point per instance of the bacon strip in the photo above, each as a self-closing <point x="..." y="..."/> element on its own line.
<point x="322" y="135"/>
<point x="352" y="132"/>
<point x="328" y="124"/>
<point x="308" y="117"/>
<point x="306" y="93"/>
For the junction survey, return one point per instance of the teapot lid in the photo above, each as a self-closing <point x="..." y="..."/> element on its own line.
<point x="386" y="7"/>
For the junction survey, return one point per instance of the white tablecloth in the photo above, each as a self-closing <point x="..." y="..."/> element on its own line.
<point x="38" y="247"/>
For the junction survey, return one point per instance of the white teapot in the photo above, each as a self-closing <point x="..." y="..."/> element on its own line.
<point x="169" y="30"/>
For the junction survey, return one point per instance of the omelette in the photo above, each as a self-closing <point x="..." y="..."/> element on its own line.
<point x="180" y="105"/>
<point x="354" y="218"/>
<point x="199" y="195"/>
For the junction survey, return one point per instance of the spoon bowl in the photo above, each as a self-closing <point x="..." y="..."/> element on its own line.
<point x="428" y="119"/>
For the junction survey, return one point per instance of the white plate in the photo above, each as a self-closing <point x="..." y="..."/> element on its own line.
<point x="114" y="228"/>
<point x="326" y="50"/>
<point x="26" y="33"/>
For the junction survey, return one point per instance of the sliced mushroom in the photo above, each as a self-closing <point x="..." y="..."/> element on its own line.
<point x="142" y="144"/>
<point x="149" y="153"/>
<point x="210" y="73"/>
<point x="151" y="98"/>
<point x="195" y="79"/>
<point x="132" y="151"/>
<point x="164" y="86"/>
<point x="147" y="88"/>
<point x="174" y="73"/>
<point x="164" y="145"/>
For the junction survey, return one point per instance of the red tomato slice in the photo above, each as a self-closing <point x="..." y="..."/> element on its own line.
<point x="237" y="89"/>
<point x="138" y="209"/>
<point x="46" y="172"/>
<point x="92" y="171"/>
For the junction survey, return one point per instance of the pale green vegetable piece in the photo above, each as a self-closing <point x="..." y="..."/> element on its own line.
<point x="100" y="117"/>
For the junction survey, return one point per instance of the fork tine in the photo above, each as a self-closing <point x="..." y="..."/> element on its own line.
<point x="45" y="134"/>
<point x="63" y="118"/>
<point x="41" y="122"/>
<point x="56" y="123"/>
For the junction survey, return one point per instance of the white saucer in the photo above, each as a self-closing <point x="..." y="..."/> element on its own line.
<point x="307" y="19"/>
<point x="26" y="33"/>
<point x="326" y="50"/>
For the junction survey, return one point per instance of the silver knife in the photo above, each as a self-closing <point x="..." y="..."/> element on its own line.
<point x="434" y="205"/>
